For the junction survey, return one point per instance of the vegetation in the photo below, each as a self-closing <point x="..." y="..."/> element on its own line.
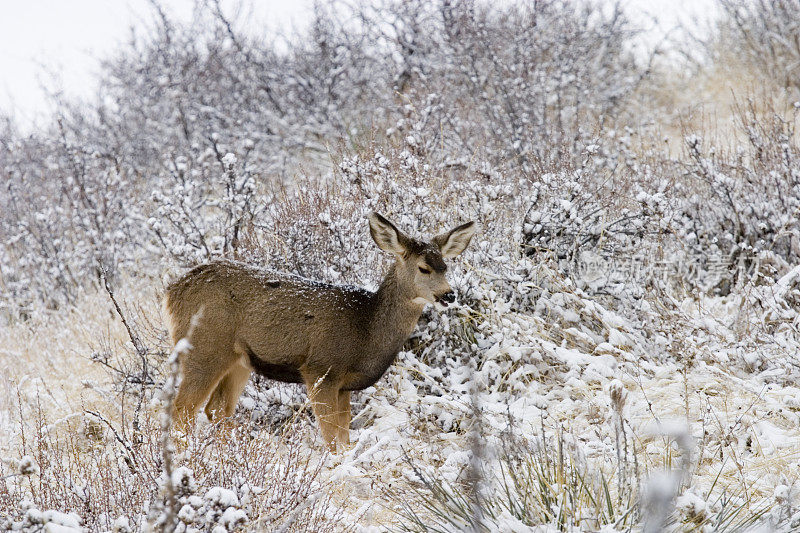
<point x="625" y="351"/>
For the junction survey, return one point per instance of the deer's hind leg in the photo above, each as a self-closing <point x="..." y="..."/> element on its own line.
<point x="194" y="389"/>
<point x="202" y="370"/>
<point x="225" y="396"/>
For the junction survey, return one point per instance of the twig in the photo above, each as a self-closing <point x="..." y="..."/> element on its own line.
<point x="118" y="437"/>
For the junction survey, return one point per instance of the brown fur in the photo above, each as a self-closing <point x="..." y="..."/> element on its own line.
<point x="333" y="338"/>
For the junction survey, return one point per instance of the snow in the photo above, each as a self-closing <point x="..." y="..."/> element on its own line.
<point x="222" y="498"/>
<point x="27" y="466"/>
<point x="52" y="521"/>
<point x="691" y="505"/>
<point x="229" y="159"/>
<point x="783" y="284"/>
<point x="121" y="525"/>
<point x="183" y="346"/>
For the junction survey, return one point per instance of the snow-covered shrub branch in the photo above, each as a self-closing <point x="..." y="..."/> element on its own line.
<point x="743" y="206"/>
<point x="206" y="206"/>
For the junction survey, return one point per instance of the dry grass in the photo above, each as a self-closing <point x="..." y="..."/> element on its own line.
<point x="676" y="101"/>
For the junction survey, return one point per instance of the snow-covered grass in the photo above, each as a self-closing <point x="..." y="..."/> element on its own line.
<point x="85" y="448"/>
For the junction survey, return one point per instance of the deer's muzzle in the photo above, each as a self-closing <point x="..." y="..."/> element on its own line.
<point x="446" y="298"/>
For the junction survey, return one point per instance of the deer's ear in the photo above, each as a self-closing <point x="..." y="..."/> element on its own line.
<point x="456" y="240"/>
<point x="386" y="235"/>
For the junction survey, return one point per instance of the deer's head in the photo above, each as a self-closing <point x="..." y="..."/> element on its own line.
<point x="420" y="265"/>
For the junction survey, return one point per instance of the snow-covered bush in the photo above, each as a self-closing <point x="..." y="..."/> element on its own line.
<point x="599" y="227"/>
<point x="206" y="208"/>
<point x="111" y="187"/>
<point x="513" y="85"/>
<point x="69" y="213"/>
<point x="34" y="519"/>
<point x="741" y="208"/>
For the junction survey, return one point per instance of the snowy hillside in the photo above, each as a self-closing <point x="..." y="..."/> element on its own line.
<point x="624" y="350"/>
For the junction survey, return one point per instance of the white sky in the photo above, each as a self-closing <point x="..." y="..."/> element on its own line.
<point x="56" y="43"/>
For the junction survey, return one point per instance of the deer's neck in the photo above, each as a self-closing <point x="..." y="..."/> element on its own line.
<point x="395" y="315"/>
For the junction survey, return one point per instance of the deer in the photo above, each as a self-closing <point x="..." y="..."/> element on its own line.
<point x="334" y="339"/>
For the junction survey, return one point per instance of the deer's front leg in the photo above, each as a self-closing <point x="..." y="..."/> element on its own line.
<point x="324" y="398"/>
<point x="343" y="436"/>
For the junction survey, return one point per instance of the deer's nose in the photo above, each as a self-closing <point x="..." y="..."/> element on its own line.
<point x="448" y="297"/>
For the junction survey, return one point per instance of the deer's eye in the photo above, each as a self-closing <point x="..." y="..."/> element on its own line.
<point x="424" y="270"/>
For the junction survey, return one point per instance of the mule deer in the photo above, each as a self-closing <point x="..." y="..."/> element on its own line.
<point x="333" y="338"/>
